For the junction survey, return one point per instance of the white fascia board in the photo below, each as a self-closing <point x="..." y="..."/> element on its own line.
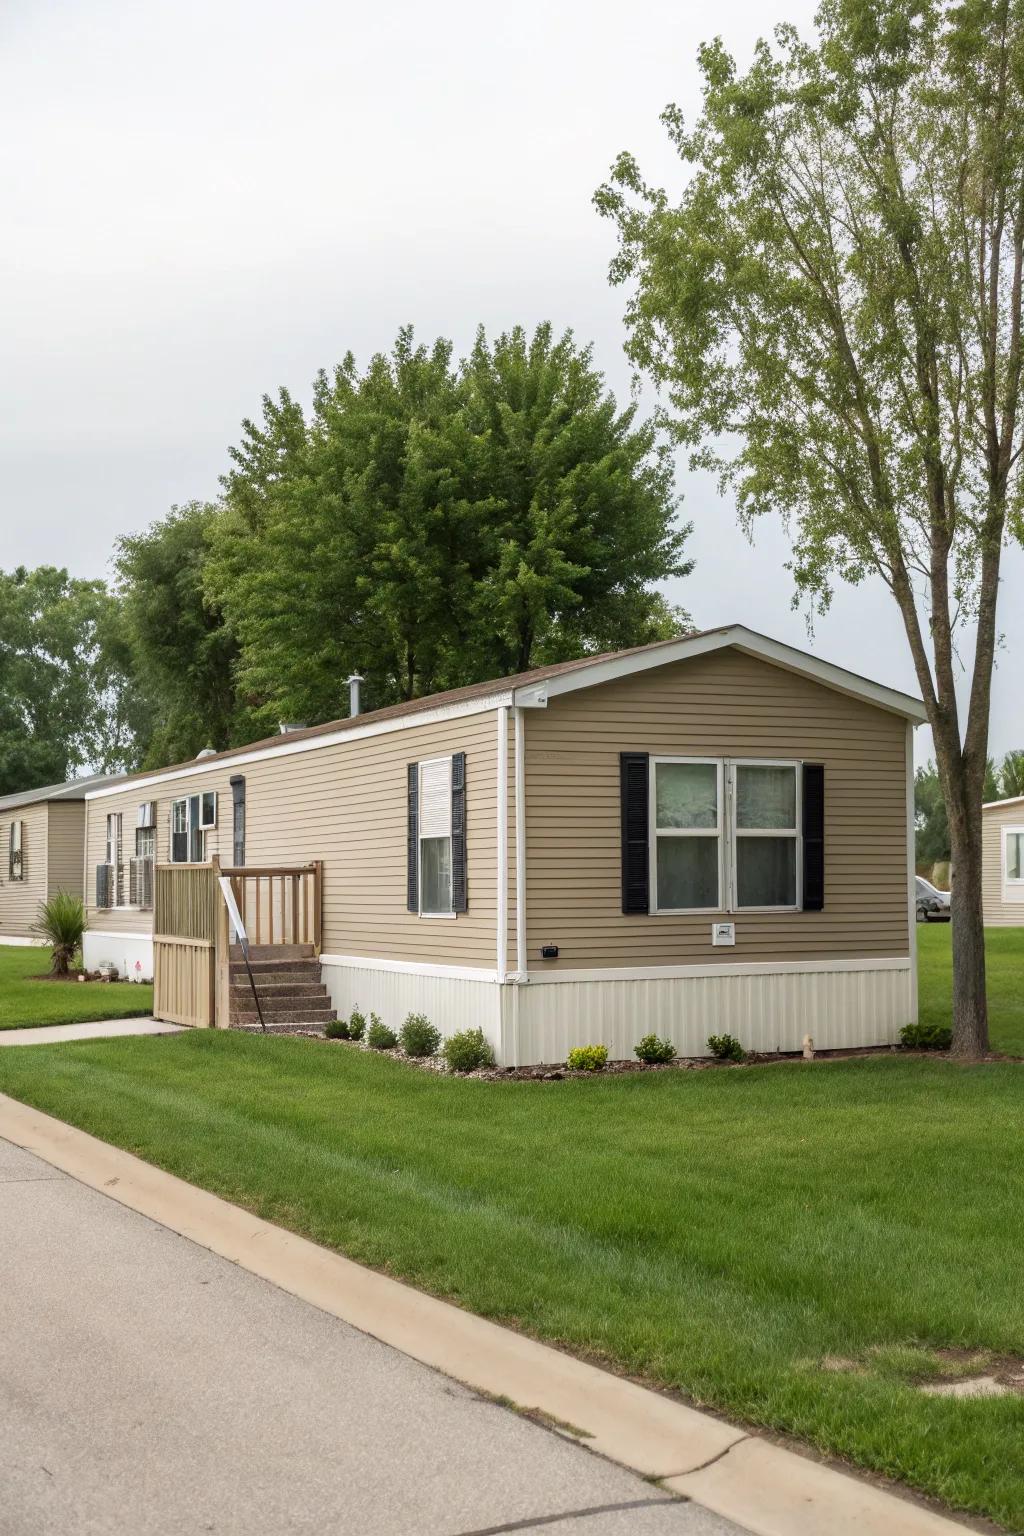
<point x="286" y="748"/>
<point x="990" y="805"/>
<point x="747" y="640"/>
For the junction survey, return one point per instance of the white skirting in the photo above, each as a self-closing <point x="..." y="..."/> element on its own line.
<point x="22" y="943"/>
<point x="132" y="953"/>
<point x="856" y="1003"/>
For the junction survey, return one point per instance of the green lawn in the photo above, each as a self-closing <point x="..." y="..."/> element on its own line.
<point x="728" y="1234"/>
<point x="24" y="1001"/>
<point x="1004" y="949"/>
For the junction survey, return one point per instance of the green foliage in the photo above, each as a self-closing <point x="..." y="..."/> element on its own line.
<point x="926" y="1037"/>
<point x="184" y="653"/>
<point x="379" y="1037"/>
<point x="653" y="1049"/>
<point x="1011" y="777"/>
<point x="436" y="524"/>
<point x="337" y="1029"/>
<point x="60" y="923"/>
<point x="357" y="1024"/>
<point x="418" y="1037"/>
<point x="931" y="837"/>
<point x="726" y="1048"/>
<point x="66" y="697"/>
<point x="587" y="1058"/>
<point x="467" y="1050"/>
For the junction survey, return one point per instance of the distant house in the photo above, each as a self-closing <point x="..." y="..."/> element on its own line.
<point x="709" y="834"/>
<point x="1002" y="862"/>
<point x="42" y="850"/>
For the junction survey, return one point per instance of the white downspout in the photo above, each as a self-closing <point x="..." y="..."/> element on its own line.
<point x="502" y="818"/>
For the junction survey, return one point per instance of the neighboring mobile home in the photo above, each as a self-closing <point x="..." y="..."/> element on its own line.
<point x="42" y="850"/>
<point x="709" y="834"/>
<point x="1002" y="862"/>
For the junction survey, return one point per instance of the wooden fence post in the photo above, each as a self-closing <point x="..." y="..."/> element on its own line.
<point x="221" y="979"/>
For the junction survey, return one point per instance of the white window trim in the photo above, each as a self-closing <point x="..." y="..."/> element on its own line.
<point x="432" y="917"/>
<point x="1009" y="832"/>
<point x="736" y="832"/>
<point x="655" y="833"/>
<point x="207" y="826"/>
<point x="726" y="832"/>
<point x="189" y="829"/>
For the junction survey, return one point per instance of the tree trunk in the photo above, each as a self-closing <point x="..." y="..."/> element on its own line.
<point x="970" y="1005"/>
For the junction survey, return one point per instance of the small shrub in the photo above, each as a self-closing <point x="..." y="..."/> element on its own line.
<point x="60" y="923"/>
<point x="926" y="1037"/>
<point x="357" y="1024"/>
<point x="467" y="1050"/>
<point x="378" y="1036"/>
<point x="587" y="1058"/>
<point x="726" y="1048"/>
<point x="336" y="1029"/>
<point x="418" y="1037"/>
<point x="651" y="1049"/>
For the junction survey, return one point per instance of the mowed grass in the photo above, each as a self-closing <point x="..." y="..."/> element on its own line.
<point x="1004" y="955"/>
<point x="727" y="1234"/>
<point x="25" y="1001"/>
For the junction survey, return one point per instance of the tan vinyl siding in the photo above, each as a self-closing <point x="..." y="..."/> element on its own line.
<point x="19" y="899"/>
<point x="65" y="850"/>
<point x="724" y="704"/>
<point x="346" y="805"/>
<point x="1003" y="905"/>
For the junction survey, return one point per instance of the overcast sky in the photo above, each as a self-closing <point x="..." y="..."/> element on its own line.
<point x="205" y="199"/>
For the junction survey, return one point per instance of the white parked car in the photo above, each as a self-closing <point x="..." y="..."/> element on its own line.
<point x="932" y="904"/>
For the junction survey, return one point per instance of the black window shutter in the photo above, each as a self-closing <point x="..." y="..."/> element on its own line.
<point x="238" y="820"/>
<point x="103" y="885"/>
<point x="412" y="877"/>
<point x="459" y="890"/>
<point x="814" y="837"/>
<point x="634" y="795"/>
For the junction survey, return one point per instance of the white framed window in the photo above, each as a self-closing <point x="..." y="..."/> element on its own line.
<point x="435" y="838"/>
<point x="1013" y="855"/>
<point x="114" y="839"/>
<point x="16" y="852"/>
<point x="208" y="809"/>
<point x="188" y="830"/>
<point x="686" y="848"/>
<point x="725" y="835"/>
<point x="765" y="842"/>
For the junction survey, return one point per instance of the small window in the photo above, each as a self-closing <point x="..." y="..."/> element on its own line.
<point x="435" y="838"/>
<point x="145" y="842"/>
<point x="767" y="834"/>
<point x="686" y="849"/>
<point x="1015" y="856"/>
<point x="146" y="814"/>
<point x="208" y="809"/>
<point x="114" y="839"/>
<point x="179" y="831"/>
<point x="16" y="862"/>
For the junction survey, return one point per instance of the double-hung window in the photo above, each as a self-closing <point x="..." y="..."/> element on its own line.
<point x="686" y="848"/>
<point x="191" y="818"/>
<point x="725" y="835"/>
<point x="435" y="838"/>
<point x="1013" y="855"/>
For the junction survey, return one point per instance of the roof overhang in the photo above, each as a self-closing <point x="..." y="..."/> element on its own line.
<point x="990" y="805"/>
<point x="537" y="695"/>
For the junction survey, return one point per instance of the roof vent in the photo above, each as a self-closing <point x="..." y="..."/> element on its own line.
<point x="353" y="693"/>
<point x="286" y="727"/>
<point x="206" y="752"/>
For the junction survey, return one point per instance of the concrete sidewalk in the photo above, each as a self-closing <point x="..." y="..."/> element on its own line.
<point x="148" y="1386"/>
<point x="103" y="1029"/>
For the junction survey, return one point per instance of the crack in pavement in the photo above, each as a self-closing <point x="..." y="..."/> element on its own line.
<point x="700" y="1468"/>
<point x="533" y="1521"/>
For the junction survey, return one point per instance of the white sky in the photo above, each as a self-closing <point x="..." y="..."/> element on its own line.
<point x="204" y="201"/>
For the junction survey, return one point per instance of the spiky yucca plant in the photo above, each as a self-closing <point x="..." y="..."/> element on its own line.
<point x="60" y="923"/>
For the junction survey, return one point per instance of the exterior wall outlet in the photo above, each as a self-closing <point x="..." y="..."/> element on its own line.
<point x="723" y="933"/>
<point x="549" y="951"/>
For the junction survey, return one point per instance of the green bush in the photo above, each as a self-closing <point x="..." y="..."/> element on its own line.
<point x="587" y="1058"/>
<point x="378" y="1036"/>
<point x="418" y="1037"/>
<point x="357" y="1024"/>
<point x="60" y="923"/>
<point x="336" y="1029"/>
<point x="926" y="1037"/>
<point x="467" y="1050"/>
<point x="726" y="1048"/>
<point x="651" y="1049"/>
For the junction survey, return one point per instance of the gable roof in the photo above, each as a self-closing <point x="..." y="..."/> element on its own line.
<point x="72" y="789"/>
<point x="990" y="805"/>
<point x="533" y="689"/>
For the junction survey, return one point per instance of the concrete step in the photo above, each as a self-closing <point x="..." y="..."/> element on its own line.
<point x="281" y="1004"/>
<point x="249" y="1016"/>
<point x="303" y="988"/>
<point x="273" y="952"/>
<point x="287" y="970"/>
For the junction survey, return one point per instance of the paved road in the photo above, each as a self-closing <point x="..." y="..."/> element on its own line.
<point x="148" y="1387"/>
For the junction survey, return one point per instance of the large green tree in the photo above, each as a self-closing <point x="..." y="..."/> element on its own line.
<point x="434" y="524"/>
<point x="181" y="653"/>
<point x="833" y="307"/>
<point x="67" y="696"/>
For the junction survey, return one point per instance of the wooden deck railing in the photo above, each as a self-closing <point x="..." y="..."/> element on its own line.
<point x="279" y="904"/>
